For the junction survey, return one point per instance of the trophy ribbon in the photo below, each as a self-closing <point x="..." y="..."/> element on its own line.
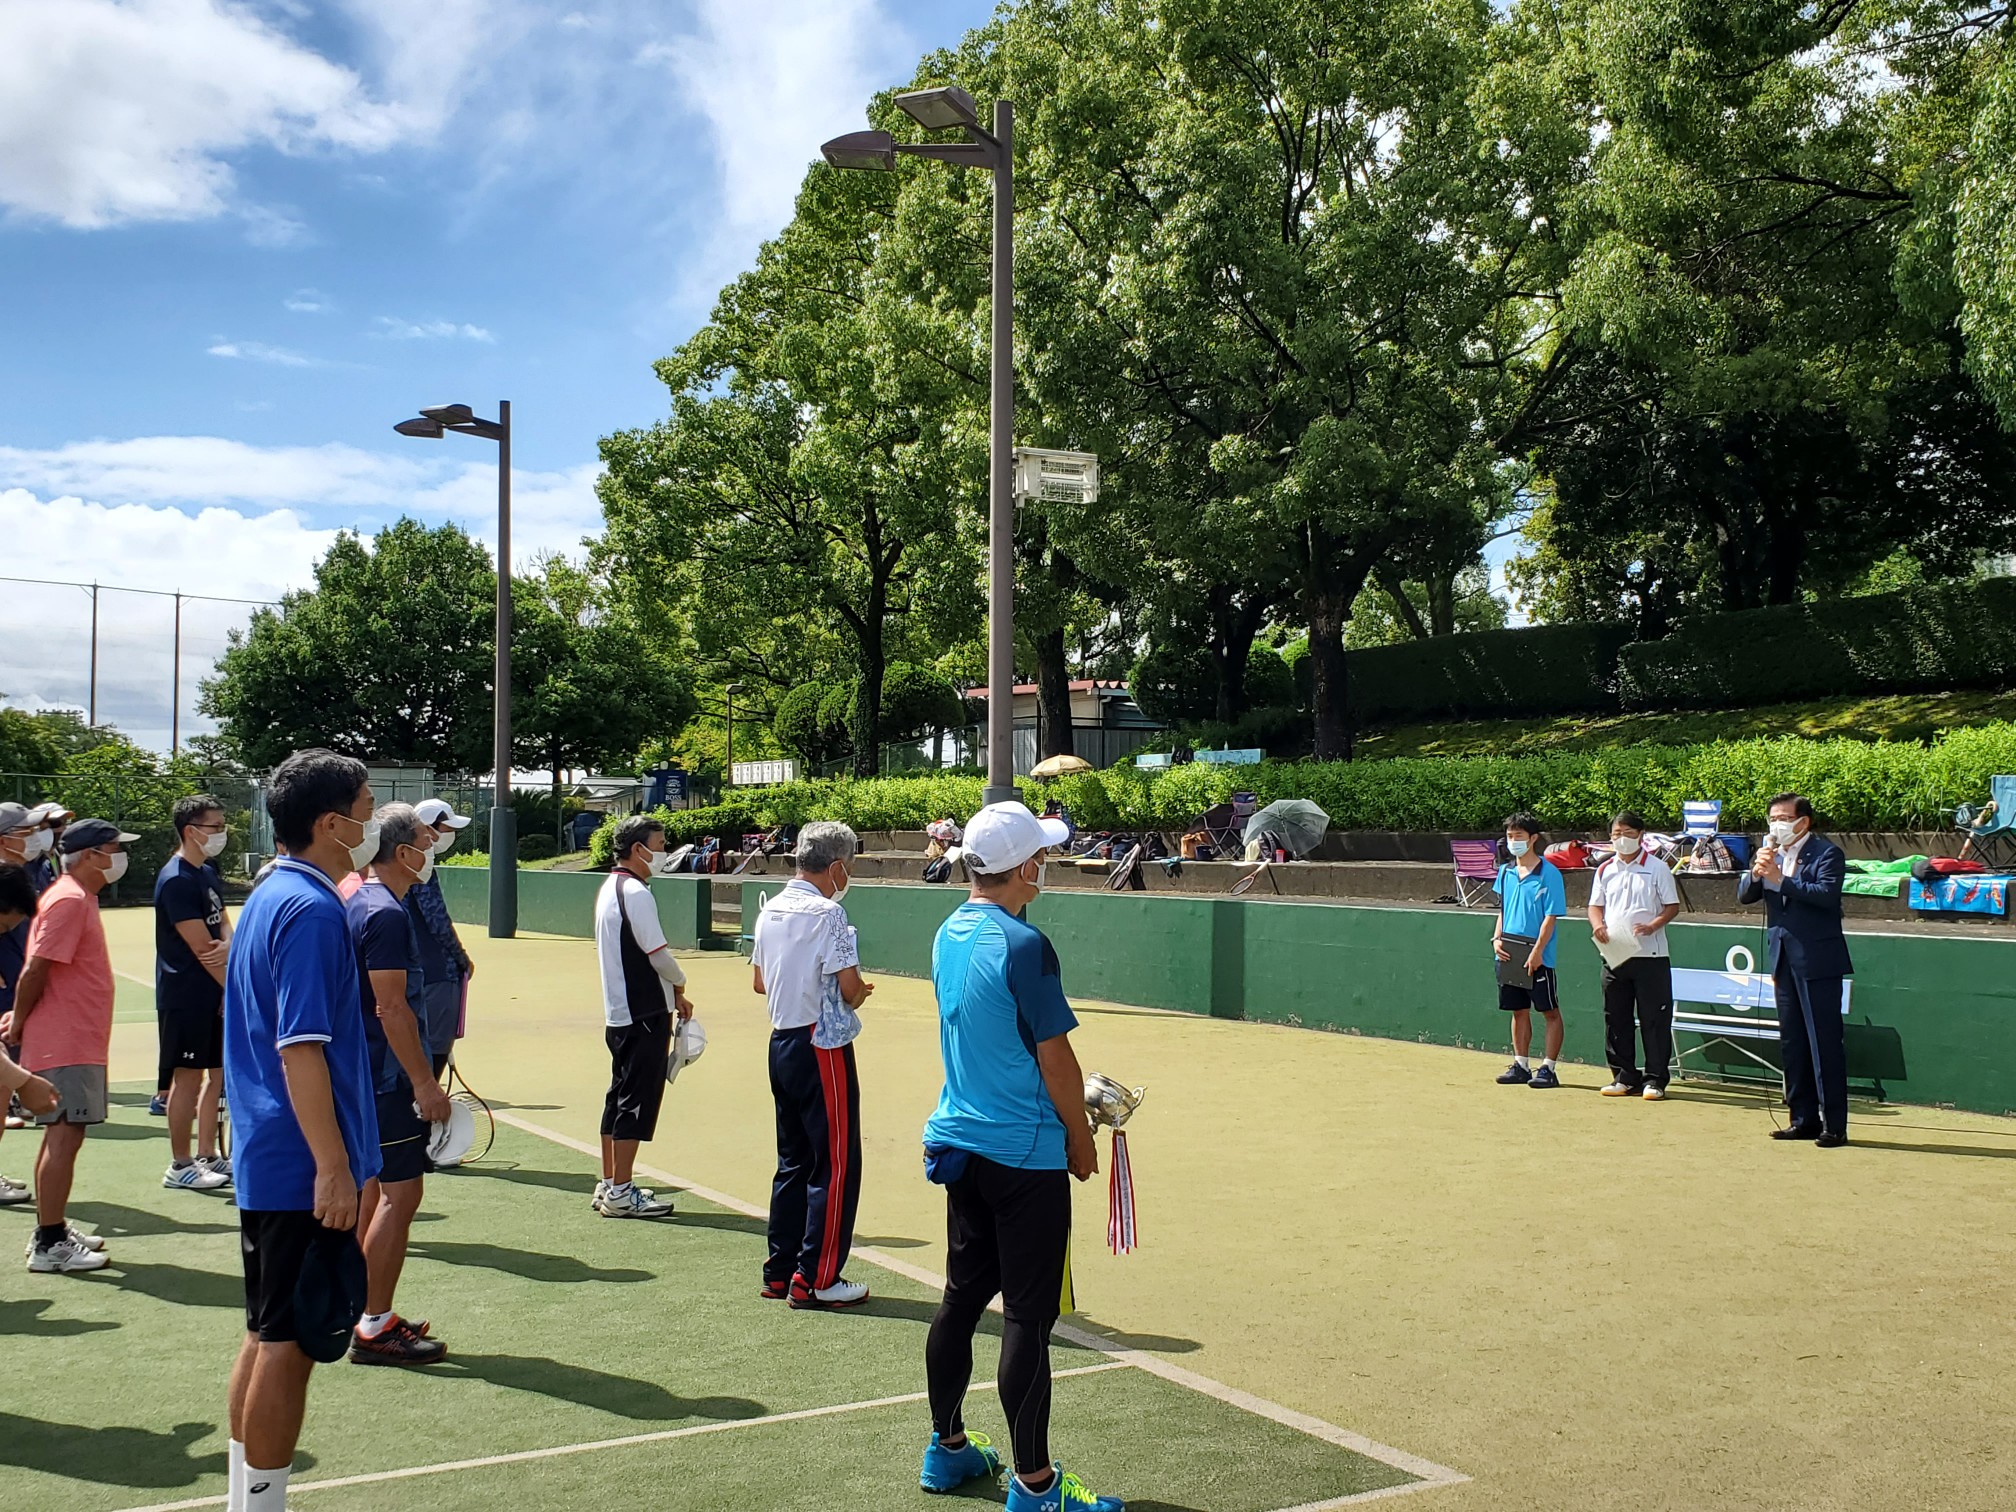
<point x="1112" y="1103"/>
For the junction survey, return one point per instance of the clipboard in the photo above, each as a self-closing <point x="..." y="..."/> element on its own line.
<point x="1513" y="973"/>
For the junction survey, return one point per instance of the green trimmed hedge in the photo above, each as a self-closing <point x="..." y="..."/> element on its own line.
<point x="1855" y="784"/>
<point x="1544" y="669"/>
<point x="1928" y="639"/>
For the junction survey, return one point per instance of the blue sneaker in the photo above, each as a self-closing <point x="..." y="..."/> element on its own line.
<point x="949" y="1469"/>
<point x="158" y="1107"/>
<point x="1065" y="1493"/>
<point x="1544" y="1078"/>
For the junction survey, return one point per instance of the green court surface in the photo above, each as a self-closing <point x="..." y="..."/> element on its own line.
<point x="587" y="1357"/>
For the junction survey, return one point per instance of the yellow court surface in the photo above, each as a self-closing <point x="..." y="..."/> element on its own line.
<point x="1572" y="1301"/>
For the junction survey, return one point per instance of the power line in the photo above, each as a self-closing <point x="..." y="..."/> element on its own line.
<point x="211" y="598"/>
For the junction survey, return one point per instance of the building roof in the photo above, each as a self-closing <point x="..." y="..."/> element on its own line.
<point x="1105" y="686"/>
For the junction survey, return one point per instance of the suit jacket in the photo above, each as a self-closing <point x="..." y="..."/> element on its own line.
<point x="1804" y="912"/>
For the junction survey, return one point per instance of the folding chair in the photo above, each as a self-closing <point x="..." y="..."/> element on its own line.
<point x="1701" y="818"/>
<point x="1220" y="825"/>
<point x="1476" y="864"/>
<point x="1990" y="831"/>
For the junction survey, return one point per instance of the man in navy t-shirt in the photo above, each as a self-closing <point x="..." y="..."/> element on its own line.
<point x="409" y="1098"/>
<point x="1009" y="1132"/>
<point x="298" y="1074"/>
<point x="191" y="940"/>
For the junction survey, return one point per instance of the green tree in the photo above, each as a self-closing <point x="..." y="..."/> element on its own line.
<point x="28" y="743"/>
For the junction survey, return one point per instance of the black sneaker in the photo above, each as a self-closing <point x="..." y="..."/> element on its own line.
<point x="1514" y="1074"/>
<point x="398" y="1344"/>
<point x="1545" y="1077"/>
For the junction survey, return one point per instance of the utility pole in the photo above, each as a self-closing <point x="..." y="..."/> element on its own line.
<point x="175" y="690"/>
<point x="94" y="656"/>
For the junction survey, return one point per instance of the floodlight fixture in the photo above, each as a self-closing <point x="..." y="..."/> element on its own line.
<point x="449" y="414"/>
<point x="423" y="427"/>
<point x="940" y="109"/>
<point x="861" y="149"/>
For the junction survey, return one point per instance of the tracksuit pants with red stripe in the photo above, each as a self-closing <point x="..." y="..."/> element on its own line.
<point x="817" y="1190"/>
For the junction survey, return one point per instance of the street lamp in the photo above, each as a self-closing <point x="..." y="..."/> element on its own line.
<point x="731" y="690"/>
<point x="947" y="109"/>
<point x="434" y="421"/>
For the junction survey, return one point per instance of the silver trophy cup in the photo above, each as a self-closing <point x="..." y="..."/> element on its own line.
<point x="1110" y="1103"/>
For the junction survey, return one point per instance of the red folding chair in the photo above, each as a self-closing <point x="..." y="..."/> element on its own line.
<point x="1476" y="863"/>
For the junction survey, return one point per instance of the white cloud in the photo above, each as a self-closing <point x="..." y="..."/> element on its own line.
<point x="395" y="329"/>
<point x="259" y="351"/>
<point x="308" y="302"/>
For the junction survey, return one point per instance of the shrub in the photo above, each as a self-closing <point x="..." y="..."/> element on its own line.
<point x="538" y="846"/>
<point x="1543" y="669"/>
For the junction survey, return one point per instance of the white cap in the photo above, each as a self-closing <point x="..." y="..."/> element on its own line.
<point x="1003" y="835"/>
<point x="42" y="813"/>
<point x="436" y="814"/>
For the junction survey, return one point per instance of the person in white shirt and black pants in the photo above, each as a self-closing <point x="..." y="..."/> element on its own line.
<point x="1634" y="891"/>
<point x="808" y="967"/>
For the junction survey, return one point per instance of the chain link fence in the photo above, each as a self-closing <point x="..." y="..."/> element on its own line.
<point x="144" y="805"/>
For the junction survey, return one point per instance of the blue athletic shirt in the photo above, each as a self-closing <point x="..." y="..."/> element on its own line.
<point x="1528" y="901"/>
<point x="386" y="940"/>
<point x="292" y="979"/>
<point x="1000" y="995"/>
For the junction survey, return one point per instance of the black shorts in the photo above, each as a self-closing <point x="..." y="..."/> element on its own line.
<point x="275" y="1243"/>
<point x="192" y="1037"/>
<point x="402" y="1136"/>
<point x="637" y="1056"/>
<point x="1008" y="1232"/>
<point x="1542" y="995"/>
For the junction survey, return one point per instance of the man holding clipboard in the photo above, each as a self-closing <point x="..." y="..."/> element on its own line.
<point x="1532" y="899"/>
<point x="1631" y="901"/>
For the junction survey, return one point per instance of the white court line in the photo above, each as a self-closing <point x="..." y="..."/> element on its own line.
<point x="1428" y="1473"/>
<point x="300" y="1488"/>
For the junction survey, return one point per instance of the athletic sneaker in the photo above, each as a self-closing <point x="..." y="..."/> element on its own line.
<point x="1654" y="1092"/>
<point x="631" y="1202"/>
<point x="949" y="1469"/>
<point x="1513" y="1075"/>
<point x="66" y="1254"/>
<point x="1620" y="1089"/>
<point x="842" y="1293"/>
<point x="777" y="1291"/>
<point x="13" y="1192"/>
<point x="1545" y="1077"/>
<point x="158" y="1106"/>
<point x="221" y="1164"/>
<point x="398" y="1343"/>
<point x="194" y="1177"/>
<point x="1065" y="1493"/>
<point x="93" y="1242"/>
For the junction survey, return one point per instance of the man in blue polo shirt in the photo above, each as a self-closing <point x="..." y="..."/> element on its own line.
<point x="1532" y="900"/>
<point x="1009" y="1132"/>
<point x="297" y="1073"/>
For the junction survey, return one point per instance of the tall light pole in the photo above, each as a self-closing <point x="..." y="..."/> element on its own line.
<point x="944" y="110"/>
<point x="432" y="422"/>
<point x="729" y="766"/>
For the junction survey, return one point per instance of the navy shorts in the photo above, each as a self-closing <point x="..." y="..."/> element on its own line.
<point x="1542" y="995"/>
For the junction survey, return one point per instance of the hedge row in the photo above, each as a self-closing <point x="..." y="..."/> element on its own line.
<point x="1855" y="784"/>
<point x="1930" y="639"/>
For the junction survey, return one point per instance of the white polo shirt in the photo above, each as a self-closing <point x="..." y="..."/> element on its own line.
<point x="631" y="985"/>
<point x="803" y="942"/>
<point x="1631" y="892"/>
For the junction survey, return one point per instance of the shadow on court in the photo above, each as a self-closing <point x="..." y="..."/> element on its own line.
<point x="116" y="1221"/>
<point x="714" y="1218"/>
<point x="557" y="1181"/>
<point x="1120" y="1339"/>
<point x="24" y="1320"/>
<point x="177" y="1283"/>
<point x="2005" y="1153"/>
<point x="531" y="1264"/>
<point x="619" y="1395"/>
<point x="108" y="1456"/>
<point x="897" y="1243"/>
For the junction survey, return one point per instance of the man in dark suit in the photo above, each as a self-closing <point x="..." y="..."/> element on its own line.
<point x="1797" y="875"/>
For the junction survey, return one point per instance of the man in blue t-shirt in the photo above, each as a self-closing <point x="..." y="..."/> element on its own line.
<point x="297" y="1072"/>
<point x="1009" y="1131"/>
<point x="192" y="936"/>
<point x="409" y="1098"/>
<point x="1532" y="899"/>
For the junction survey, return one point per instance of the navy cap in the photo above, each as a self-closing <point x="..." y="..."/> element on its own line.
<point x="329" y="1294"/>
<point x="88" y="834"/>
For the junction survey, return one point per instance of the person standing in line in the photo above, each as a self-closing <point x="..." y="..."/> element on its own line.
<point x="445" y="967"/>
<point x="409" y="1098"/>
<point x="49" y="819"/>
<point x="192" y="936"/>
<point x="18" y="832"/>
<point x="1009" y="1133"/>
<point x="805" y="963"/>
<point x="36" y="1095"/>
<point x="297" y="1072"/>
<point x="62" y="1020"/>
<point x="1797" y="876"/>
<point x="1634" y="891"/>
<point x="643" y="991"/>
<point x="1532" y="900"/>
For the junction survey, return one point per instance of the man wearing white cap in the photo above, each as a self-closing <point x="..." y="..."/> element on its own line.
<point x="46" y="822"/>
<point x="444" y="965"/>
<point x="62" y="1020"/>
<point x="1009" y="1126"/>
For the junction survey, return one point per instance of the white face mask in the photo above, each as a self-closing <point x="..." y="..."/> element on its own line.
<point x="444" y="842"/>
<point x="840" y="892"/>
<point x="1625" y="845"/>
<point x="213" y="845"/>
<point x="38" y="844"/>
<point x="1784" y="832"/>
<point x="661" y="863"/>
<point x="426" y="867"/>
<point x="115" y="867"/>
<point x="365" y="851"/>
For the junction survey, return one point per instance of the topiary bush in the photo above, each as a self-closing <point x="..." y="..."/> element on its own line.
<point x="1542" y="669"/>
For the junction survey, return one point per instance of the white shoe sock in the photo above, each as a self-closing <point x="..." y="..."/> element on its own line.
<point x="234" y="1498"/>
<point x="373" y="1324"/>
<point x="1548" y="1063"/>
<point x="266" y="1490"/>
<point x="1519" y="1061"/>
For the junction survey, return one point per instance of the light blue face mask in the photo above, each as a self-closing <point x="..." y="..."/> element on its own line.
<point x="1518" y="847"/>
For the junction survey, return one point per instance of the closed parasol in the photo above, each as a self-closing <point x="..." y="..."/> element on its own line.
<point x="1296" y="822"/>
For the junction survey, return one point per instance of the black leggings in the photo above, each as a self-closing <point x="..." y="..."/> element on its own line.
<point x="1024" y="1383"/>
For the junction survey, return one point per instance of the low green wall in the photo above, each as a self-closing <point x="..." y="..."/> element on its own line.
<point x="563" y="903"/>
<point x="1933" y="1020"/>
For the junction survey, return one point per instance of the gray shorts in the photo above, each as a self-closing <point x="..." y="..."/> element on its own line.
<point x="80" y="1095"/>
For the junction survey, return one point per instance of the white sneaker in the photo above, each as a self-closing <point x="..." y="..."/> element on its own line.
<point x="1654" y="1092"/>
<point x="1620" y="1089"/>
<point x="601" y="1186"/>
<point x="221" y="1164"/>
<point x="92" y="1242"/>
<point x="66" y="1254"/>
<point x="195" y="1177"/>
<point x="12" y="1193"/>
<point x="842" y="1293"/>
<point x="631" y="1202"/>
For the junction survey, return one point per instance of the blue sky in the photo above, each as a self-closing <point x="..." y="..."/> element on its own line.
<point x="240" y="238"/>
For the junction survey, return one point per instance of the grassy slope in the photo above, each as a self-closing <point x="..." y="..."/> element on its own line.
<point x="1908" y="716"/>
